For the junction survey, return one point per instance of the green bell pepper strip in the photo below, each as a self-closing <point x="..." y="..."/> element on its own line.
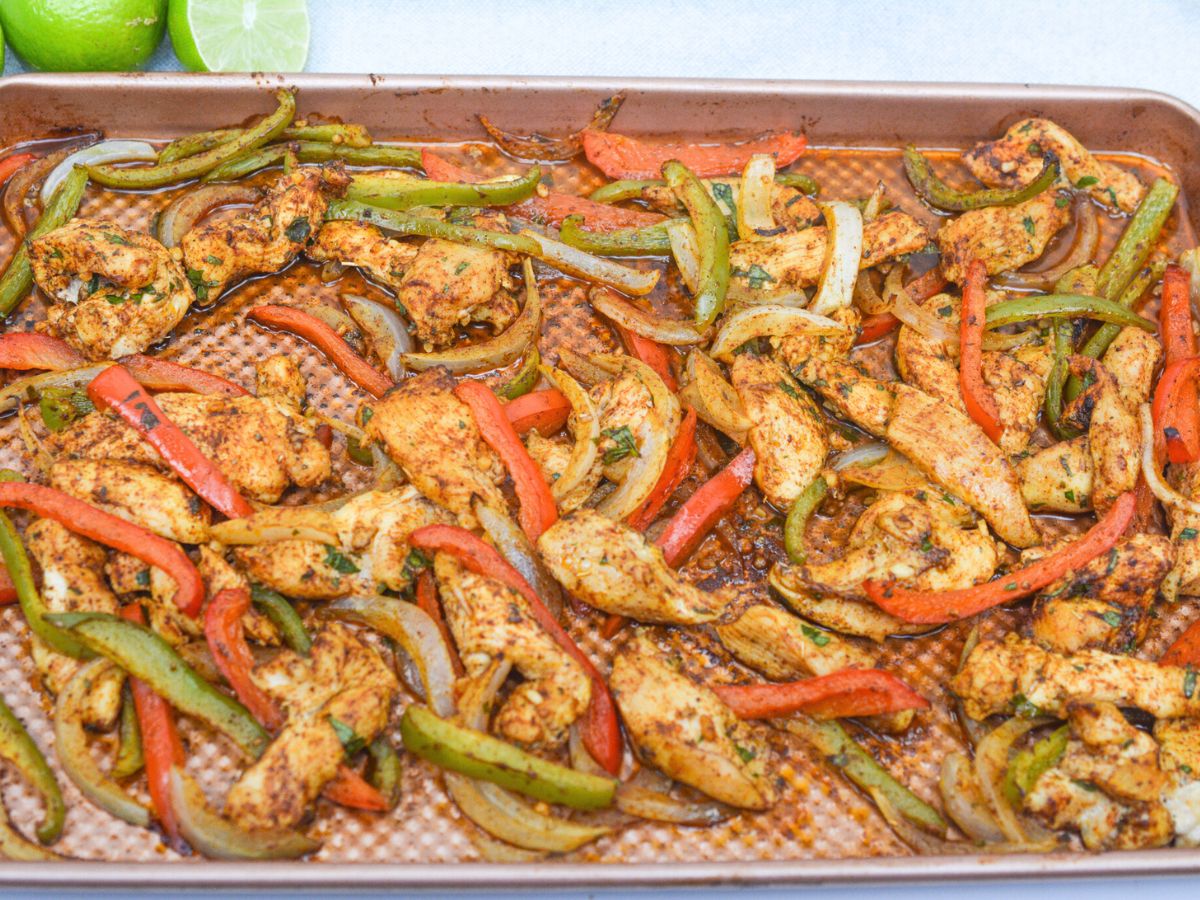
<point x="190" y="145"/>
<point x="61" y="208"/>
<point x="1023" y="309"/>
<point x="32" y="604"/>
<point x="384" y="190"/>
<point x="797" y="519"/>
<point x="146" y="656"/>
<point x="1095" y="346"/>
<point x="360" y="454"/>
<point x="652" y="240"/>
<point x="283" y="616"/>
<point x="525" y="378"/>
<point x="617" y="191"/>
<point x="315" y="152"/>
<point x="842" y="752"/>
<point x="937" y="193"/>
<point x="1029" y="765"/>
<point x="158" y="175"/>
<point x="384" y="769"/>
<point x="712" y="239"/>
<point x="1138" y="239"/>
<point x="479" y="755"/>
<point x="18" y="748"/>
<point x="422" y="226"/>
<point x="1053" y="401"/>
<point x="130" y="756"/>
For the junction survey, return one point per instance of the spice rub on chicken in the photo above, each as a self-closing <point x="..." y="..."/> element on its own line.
<point x="1003" y="238"/>
<point x="113" y="291"/>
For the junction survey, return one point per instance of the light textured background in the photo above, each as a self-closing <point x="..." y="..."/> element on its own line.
<point x="1096" y="42"/>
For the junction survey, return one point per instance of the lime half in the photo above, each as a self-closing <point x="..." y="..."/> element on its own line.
<point x="240" y="35"/>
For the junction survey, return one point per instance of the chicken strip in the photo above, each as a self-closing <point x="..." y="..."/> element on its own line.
<point x="491" y="621"/>
<point x="218" y="576"/>
<point x="552" y="457"/>
<point x="629" y="418"/>
<point x="1179" y="756"/>
<point x="365" y="247"/>
<point x="263" y="239"/>
<point x="341" y="692"/>
<point x="608" y="565"/>
<point x="73" y="581"/>
<point x="1105" y="604"/>
<point x="114" y="291"/>
<point x="1058" y="478"/>
<point x="684" y="730"/>
<point x="448" y="285"/>
<point x="433" y="437"/>
<point x="955" y="453"/>
<point x="776" y="265"/>
<point x="857" y="617"/>
<point x="1132" y="359"/>
<point x="1114" y="436"/>
<point x="1003" y="238"/>
<point x="789" y="437"/>
<point x="1184" y="578"/>
<point x="1019" y="156"/>
<point x="1000" y="675"/>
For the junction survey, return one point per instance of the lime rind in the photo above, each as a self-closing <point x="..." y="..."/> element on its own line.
<point x="241" y="35"/>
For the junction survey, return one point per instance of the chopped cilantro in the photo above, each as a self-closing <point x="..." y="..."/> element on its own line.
<point x="142" y="578"/>
<point x="819" y="638"/>
<point x="1034" y="148"/>
<point x="723" y="193"/>
<point x="1070" y="495"/>
<point x="1062" y="201"/>
<point x="1027" y="223"/>
<point x="1112" y="618"/>
<point x="213" y="260"/>
<point x="625" y="444"/>
<point x="789" y="390"/>
<point x="745" y="753"/>
<point x="756" y="275"/>
<point x="1189" y="682"/>
<point x="1188" y="534"/>
<point x="299" y="230"/>
<point x="117" y="239"/>
<point x="462" y="267"/>
<point x="1086" y="181"/>
<point x="338" y="561"/>
<point x="1023" y="708"/>
<point x="926" y="544"/>
<point x="352" y="742"/>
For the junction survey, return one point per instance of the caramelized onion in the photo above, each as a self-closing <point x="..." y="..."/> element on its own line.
<point x="713" y="398"/>
<point x="278" y="523"/>
<point x="584" y="422"/>
<point x="188" y="209"/>
<point x="754" y="218"/>
<point x="673" y="332"/>
<point x="583" y="265"/>
<point x="991" y="762"/>
<point x="385" y="330"/>
<point x="962" y="799"/>
<point x="767" y="320"/>
<point x="103" y="152"/>
<point x="843" y="252"/>
<point x="1166" y="494"/>
<point x="1083" y="251"/>
<point x="520" y="553"/>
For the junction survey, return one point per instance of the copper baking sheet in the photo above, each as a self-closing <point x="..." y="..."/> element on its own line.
<point x="823" y="830"/>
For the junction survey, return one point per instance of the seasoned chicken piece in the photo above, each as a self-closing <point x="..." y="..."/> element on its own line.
<point x="628" y="417"/>
<point x="1179" y="756"/>
<point x="433" y="437"/>
<point x="791" y="210"/>
<point x="73" y="581"/>
<point x="265" y="238"/>
<point x="799" y="350"/>
<point x="491" y="621"/>
<point x="789" y="437"/>
<point x="342" y="681"/>
<point x="114" y="291"/>
<point x="1105" y="604"/>
<point x="1185" y="529"/>
<point x="448" y="285"/>
<point x="218" y="576"/>
<point x="683" y="729"/>
<point x="1132" y="359"/>
<point x="1018" y="157"/>
<point x="365" y="247"/>
<point x="1107" y="784"/>
<point x="1058" y="478"/>
<point x="1114" y="436"/>
<point x="552" y="457"/>
<point x="137" y="493"/>
<point x="610" y="566"/>
<point x="900" y="538"/>
<point x="998" y="675"/>
<point x="857" y="617"/>
<point x="1003" y="238"/>
<point x="776" y="265"/>
<point x="306" y="570"/>
<point x="865" y="401"/>
<point x="955" y="453"/>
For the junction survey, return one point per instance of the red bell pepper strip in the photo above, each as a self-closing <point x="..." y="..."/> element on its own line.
<point x="875" y="327"/>
<point x="90" y="522"/>
<point x="29" y="350"/>
<point x="619" y="156"/>
<point x="117" y="389"/>
<point x="227" y="643"/>
<point x="328" y="341"/>
<point x="547" y="411"/>
<point x="919" y="289"/>
<point x="939" y="607"/>
<point x="8" y="591"/>
<point x="981" y="405"/>
<point x="652" y="353"/>
<point x="324" y="434"/>
<point x="161" y="745"/>
<point x="1174" y="410"/>
<point x="1185" y="651"/>
<point x="427" y="600"/>
<point x="849" y="692"/>
<point x="601" y="731"/>
<point x="538" y="511"/>
<point x="679" y="462"/>
<point x="925" y="286"/>
<point x="1175" y="315"/>
<point x="612" y="626"/>
<point x="701" y="511"/>
<point x="10" y="164"/>
<point x="348" y="788"/>
<point x="164" y="375"/>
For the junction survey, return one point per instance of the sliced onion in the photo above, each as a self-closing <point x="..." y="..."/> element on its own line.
<point x="516" y="548"/>
<point x="385" y="330"/>
<point x="17" y="190"/>
<point x="413" y="629"/>
<point x="647" y="466"/>
<point x="713" y="398"/>
<point x="1166" y="494"/>
<point x="1082" y="252"/>
<point x="922" y="321"/>
<point x="843" y="252"/>
<point x="866" y="455"/>
<point x="103" y="152"/>
<point x="768" y="320"/>
<point x="754" y="219"/>
<point x="866" y="299"/>
<point x="492" y="850"/>
<point x="584" y="422"/>
<point x="182" y="215"/>
<point x="278" y="523"/>
<point x="495" y="352"/>
<point x="16" y="847"/>
<point x="647" y="796"/>
<point x="351" y="432"/>
<point x="70" y="740"/>
<point x="890" y="472"/>
<point x="387" y="474"/>
<point x="991" y="762"/>
<point x="32" y="386"/>
<point x="219" y="838"/>
<point x="876" y="203"/>
<point x="583" y="265"/>
<point x="685" y="248"/>
<point x="963" y="801"/>
<point x="582" y="367"/>
<point x="673" y="332"/>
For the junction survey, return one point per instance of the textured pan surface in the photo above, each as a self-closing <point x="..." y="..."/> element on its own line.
<point x="820" y="816"/>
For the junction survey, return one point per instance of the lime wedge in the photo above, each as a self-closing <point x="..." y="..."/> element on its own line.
<point x="240" y="35"/>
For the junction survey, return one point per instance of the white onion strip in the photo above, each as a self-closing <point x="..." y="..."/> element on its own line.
<point x="583" y="265"/>
<point x="991" y="762"/>
<point x="104" y="152"/>
<point x="866" y="455"/>
<point x="842" y="254"/>
<point x="686" y="251"/>
<point x="673" y="332"/>
<point x="768" y="320"/>
<point x="754" y="219"/>
<point x="1166" y="494"/>
<point x="386" y="329"/>
<point x="281" y="523"/>
<point x="713" y="398"/>
<point x="585" y="429"/>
